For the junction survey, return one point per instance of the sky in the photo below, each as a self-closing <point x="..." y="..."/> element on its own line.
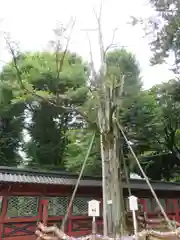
<point x="31" y="24"/>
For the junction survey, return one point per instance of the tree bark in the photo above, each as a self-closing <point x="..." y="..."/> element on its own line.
<point x="114" y="188"/>
<point x="104" y="158"/>
<point x="112" y="184"/>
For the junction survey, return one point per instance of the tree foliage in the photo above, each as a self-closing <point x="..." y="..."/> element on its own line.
<point x="123" y="63"/>
<point x="58" y="137"/>
<point x="11" y="126"/>
<point x="79" y="141"/>
<point x="66" y="100"/>
<point x="48" y="124"/>
<point x="119" y="63"/>
<point x="166" y="134"/>
<point x="166" y="33"/>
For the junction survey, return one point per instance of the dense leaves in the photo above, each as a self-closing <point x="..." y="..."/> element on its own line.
<point x="119" y="63"/>
<point x="141" y="120"/>
<point x="122" y="63"/>
<point x="158" y="141"/>
<point x="11" y="126"/>
<point x="58" y="137"/>
<point x="79" y="141"/>
<point x="165" y="155"/>
<point x="48" y="124"/>
<point x="166" y="32"/>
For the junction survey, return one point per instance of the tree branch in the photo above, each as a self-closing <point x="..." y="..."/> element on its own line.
<point x="59" y="62"/>
<point x="112" y="41"/>
<point x="91" y="60"/>
<point x="50" y="233"/>
<point x="33" y="93"/>
<point x="101" y="45"/>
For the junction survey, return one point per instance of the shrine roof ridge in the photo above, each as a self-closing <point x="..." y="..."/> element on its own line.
<point x="35" y="176"/>
<point x="38" y="172"/>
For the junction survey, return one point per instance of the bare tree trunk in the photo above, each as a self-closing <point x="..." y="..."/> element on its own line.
<point x="104" y="157"/>
<point x="111" y="176"/>
<point x="119" y="149"/>
<point x="118" y="207"/>
<point x="110" y="191"/>
<point x="113" y="186"/>
<point x="111" y="183"/>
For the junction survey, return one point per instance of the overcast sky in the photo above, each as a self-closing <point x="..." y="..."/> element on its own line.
<point x="31" y="24"/>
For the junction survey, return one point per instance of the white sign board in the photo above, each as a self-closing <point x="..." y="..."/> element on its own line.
<point x="133" y="203"/>
<point x="93" y="208"/>
<point x="109" y="202"/>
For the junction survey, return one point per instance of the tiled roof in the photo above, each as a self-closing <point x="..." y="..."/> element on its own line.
<point x="21" y="178"/>
<point x="12" y="175"/>
<point x="16" y="175"/>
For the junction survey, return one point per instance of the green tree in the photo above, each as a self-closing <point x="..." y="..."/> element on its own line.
<point x="124" y="62"/>
<point x="166" y="44"/>
<point x="49" y="123"/>
<point x="117" y="61"/>
<point x="167" y="35"/>
<point x="11" y="125"/>
<point x="141" y="121"/>
<point x="140" y="116"/>
<point x="79" y="141"/>
<point x="107" y="98"/>
<point x="166" y="155"/>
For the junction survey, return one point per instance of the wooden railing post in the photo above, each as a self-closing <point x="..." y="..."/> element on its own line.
<point x="44" y="211"/>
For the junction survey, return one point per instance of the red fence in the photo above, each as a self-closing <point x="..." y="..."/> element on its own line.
<point x="20" y="214"/>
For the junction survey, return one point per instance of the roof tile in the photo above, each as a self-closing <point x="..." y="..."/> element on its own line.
<point x="21" y="178"/>
<point x="15" y="175"/>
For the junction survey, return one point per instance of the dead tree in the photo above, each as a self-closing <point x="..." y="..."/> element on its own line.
<point x="108" y="92"/>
